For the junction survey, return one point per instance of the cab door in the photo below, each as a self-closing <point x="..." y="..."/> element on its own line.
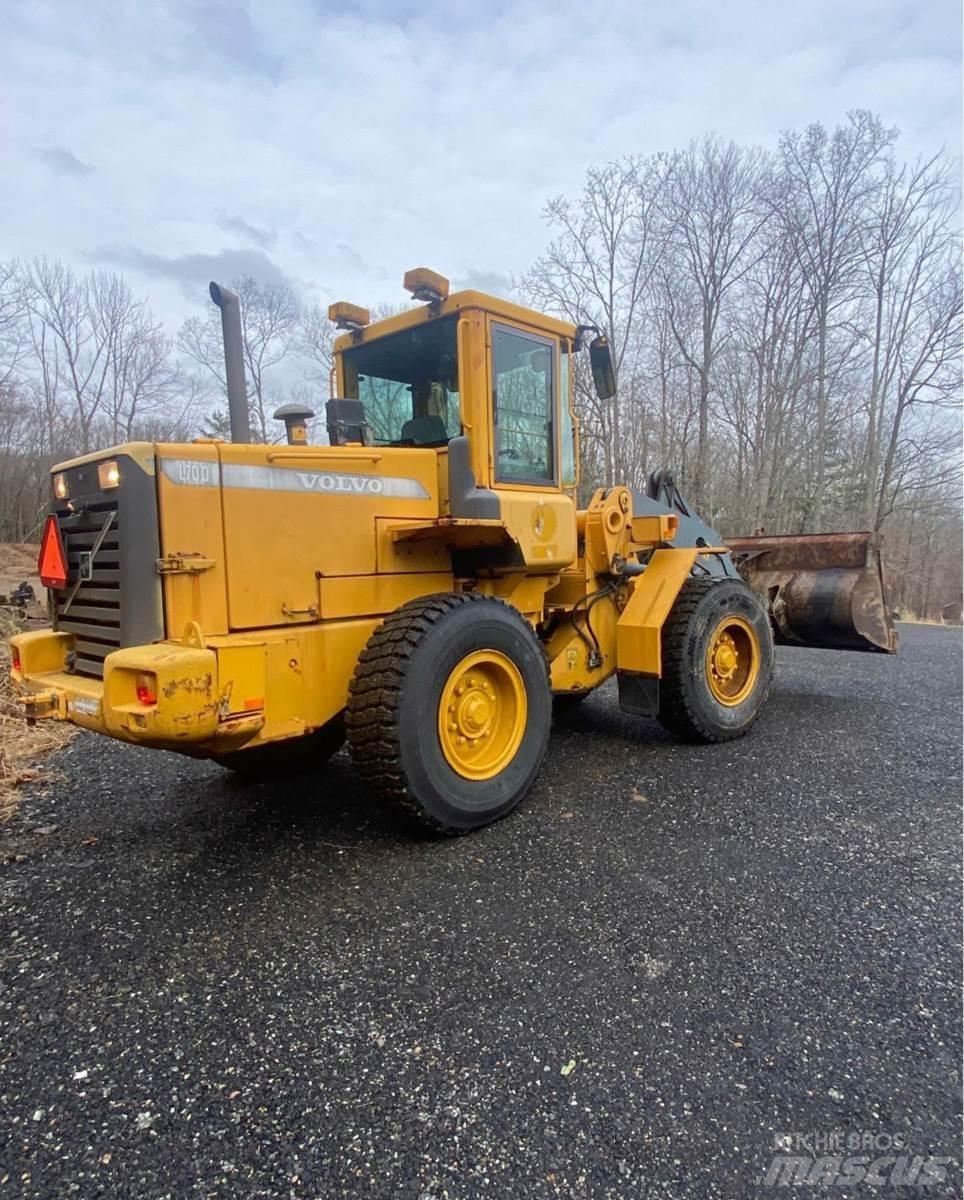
<point x="525" y="466"/>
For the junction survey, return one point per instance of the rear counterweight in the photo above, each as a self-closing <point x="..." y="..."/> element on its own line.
<point x="113" y="594"/>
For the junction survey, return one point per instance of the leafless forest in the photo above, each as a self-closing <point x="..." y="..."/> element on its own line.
<point x="786" y="327"/>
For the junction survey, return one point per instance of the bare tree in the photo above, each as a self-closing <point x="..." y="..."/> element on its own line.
<point x="146" y="381"/>
<point x="831" y="181"/>
<point x="712" y="213"/>
<point x="14" y="341"/>
<point x="771" y="329"/>
<point x="84" y="364"/>
<point x="72" y="348"/>
<point x="906" y="244"/>
<point x="787" y="329"/>
<point x="315" y="342"/>
<point x="928" y="353"/>
<point x="96" y="350"/>
<point x="597" y="272"/>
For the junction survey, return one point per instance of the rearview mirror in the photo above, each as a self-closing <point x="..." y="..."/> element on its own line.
<point x="601" y="362"/>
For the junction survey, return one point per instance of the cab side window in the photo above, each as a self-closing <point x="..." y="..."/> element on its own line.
<point x="523" y="404"/>
<point x="566" y="432"/>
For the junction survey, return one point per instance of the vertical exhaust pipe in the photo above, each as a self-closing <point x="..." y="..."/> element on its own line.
<point x="230" y="306"/>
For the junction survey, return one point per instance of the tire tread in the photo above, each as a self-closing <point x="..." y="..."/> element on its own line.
<point x="677" y="713"/>
<point x="374" y="696"/>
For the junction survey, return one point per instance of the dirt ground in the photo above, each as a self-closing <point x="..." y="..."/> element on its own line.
<point x="18" y="564"/>
<point x="22" y="747"/>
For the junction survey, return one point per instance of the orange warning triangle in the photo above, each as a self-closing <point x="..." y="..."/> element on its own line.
<point x="52" y="563"/>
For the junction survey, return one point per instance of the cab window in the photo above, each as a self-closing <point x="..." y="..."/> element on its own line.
<point x="408" y="383"/>
<point x="523" y="396"/>
<point x="567" y="434"/>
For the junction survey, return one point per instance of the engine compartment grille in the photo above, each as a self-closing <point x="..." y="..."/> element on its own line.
<point x="91" y="609"/>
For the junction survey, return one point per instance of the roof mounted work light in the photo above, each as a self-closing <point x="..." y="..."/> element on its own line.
<point x="426" y="285"/>
<point x="348" y="316"/>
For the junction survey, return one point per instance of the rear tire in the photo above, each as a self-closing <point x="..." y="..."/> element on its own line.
<point x="449" y="710"/>
<point x="286" y="757"/>
<point x="717" y="651"/>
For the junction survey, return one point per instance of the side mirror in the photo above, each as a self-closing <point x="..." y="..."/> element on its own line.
<point x="601" y="362"/>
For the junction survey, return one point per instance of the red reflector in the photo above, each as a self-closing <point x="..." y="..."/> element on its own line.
<point x="52" y="563"/>
<point x="15" y="657"/>
<point x="146" y="689"/>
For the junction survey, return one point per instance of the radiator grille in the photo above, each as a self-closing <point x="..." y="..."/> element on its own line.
<point x="94" y="612"/>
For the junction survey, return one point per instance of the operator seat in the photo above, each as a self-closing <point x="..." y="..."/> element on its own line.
<point x="424" y="431"/>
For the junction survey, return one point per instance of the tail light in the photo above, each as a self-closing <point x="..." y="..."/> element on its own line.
<point x="146" y="688"/>
<point x="15" y="657"/>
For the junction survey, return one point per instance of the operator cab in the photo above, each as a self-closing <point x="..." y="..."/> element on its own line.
<point x="482" y="379"/>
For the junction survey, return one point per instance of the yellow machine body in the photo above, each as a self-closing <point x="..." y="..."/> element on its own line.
<point x="227" y="601"/>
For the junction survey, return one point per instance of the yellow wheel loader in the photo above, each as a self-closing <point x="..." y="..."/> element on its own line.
<point x="424" y="585"/>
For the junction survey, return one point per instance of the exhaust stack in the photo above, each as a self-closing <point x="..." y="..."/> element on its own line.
<point x="230" y="306"/>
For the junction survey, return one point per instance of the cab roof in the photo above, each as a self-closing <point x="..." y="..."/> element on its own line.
<point x="456" y="303"/>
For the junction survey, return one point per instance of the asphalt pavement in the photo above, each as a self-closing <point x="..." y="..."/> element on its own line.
<point x="668" y="961"/>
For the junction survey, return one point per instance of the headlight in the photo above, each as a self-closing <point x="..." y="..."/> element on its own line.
<point x="108" y="473"/>
<point x="60" y="485"/>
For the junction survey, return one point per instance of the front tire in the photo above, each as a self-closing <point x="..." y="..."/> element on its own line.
<point x="717" y="651"/>
<point x="449" y="710"/>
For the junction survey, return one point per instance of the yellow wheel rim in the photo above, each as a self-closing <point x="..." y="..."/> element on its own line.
<point x="482" y="714"/>
<point x="732" y="661"/>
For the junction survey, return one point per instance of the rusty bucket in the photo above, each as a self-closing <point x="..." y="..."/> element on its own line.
<point x="821" y="589"/>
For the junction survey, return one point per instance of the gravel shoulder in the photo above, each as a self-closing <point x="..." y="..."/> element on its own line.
<point x="210" y="989"/>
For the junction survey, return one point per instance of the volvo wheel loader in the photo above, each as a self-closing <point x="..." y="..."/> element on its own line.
<point x="425" y="585"/>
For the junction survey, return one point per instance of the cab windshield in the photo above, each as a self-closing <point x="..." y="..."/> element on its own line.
<point x="408" y="383"/>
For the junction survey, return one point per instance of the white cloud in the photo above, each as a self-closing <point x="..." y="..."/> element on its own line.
<point x="337" y="147"/>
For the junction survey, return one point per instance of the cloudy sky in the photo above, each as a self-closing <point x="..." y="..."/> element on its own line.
<point x="336" y="145"/>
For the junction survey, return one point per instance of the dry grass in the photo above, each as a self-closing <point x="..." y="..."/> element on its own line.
<point x="909" y="618"/>
<point x="22" y="746"/>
